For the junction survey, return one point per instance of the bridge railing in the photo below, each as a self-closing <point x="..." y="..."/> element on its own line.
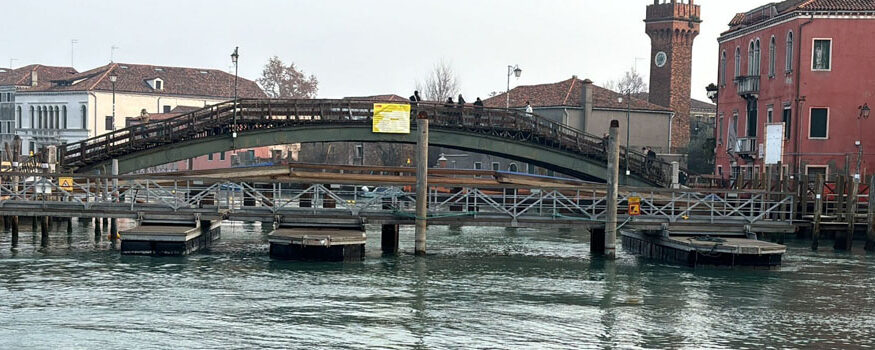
<point x="157" y="195"/>
<point x="257" y="114"/>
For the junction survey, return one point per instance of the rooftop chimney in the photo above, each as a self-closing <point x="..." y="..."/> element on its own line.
<point x="34" y="78"/>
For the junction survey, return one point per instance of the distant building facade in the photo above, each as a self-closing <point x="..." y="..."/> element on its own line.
<point x="14" y="111"/>
<point x="67" y="108"/>
<point x="806" y="64"/>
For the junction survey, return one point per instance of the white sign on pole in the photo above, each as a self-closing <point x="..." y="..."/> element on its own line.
<point x="774" y="147"/>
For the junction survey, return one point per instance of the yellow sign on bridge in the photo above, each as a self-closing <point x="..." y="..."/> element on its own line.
<point x="66" y="183"/>
<point x="391" y="118"/>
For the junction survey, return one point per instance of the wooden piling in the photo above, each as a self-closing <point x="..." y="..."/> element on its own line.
<point x="389" y="239"/>
<point x="33" y="224"/>
<point x="613" y="176"/>
<point x="818" y="209"/>
<point x="851" y="216"/>
<point x="44" y="231"/>
<point x="803" y="195"/>
<point x="97" y="230"/>
<point x="870" y="217"/>
<point x="113" y="229"/>
<point x="69" y="226"/>
<point x="14" y="231"/>
<point x="421" y="182"/>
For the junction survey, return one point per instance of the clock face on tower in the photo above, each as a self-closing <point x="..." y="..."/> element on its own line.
<point x="660" y="59"/>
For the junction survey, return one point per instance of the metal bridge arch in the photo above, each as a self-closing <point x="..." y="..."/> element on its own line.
<point x="264" y="122"/>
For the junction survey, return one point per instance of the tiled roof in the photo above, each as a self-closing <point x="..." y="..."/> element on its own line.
<point x="135" y="78"/>
<point x="21" y="76"/>
<point x="769" y="11"/>
<point x="386" y="97"/>
<point x="567" y="93"/>
<point x="702" y="106"/>
<point x="695" y="105"/>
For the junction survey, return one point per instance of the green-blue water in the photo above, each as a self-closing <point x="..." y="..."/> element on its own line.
<point x="478" y="288"/>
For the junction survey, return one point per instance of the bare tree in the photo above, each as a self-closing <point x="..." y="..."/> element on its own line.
<point x="631" y="83"/>
<point x="440" y="83"/>
<point x="281" y="81"/>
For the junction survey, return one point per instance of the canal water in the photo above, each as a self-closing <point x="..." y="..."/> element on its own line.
<point x="478" y="288"/>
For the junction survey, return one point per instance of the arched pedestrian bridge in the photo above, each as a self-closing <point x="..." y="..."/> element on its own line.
<point x="265" y="122"/>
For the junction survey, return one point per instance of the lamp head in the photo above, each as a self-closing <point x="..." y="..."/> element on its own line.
<point x="517" y="72"/>
<point x="113" y="77"/>
<point x="234" y="55"/>
<point x="864" y="111"/>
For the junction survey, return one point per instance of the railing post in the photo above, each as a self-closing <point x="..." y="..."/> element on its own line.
<point x="818" y="209"/>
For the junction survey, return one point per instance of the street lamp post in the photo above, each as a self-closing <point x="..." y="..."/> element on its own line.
<point x="511" y="70"/>
<point x="112" y="79"/>
<point x="628" y="131"/>
<point x="864" y="114"/>
<point x="234" y="57"/>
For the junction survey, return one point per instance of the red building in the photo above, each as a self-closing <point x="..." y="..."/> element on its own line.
<point x="809" y="64"/>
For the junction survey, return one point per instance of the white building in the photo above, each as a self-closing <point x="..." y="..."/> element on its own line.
<point x="73" y="107"/>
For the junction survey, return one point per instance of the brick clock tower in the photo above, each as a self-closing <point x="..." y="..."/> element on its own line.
<point x="672" y="26"/>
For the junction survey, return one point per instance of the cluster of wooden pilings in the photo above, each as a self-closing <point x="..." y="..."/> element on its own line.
<point x="837" y="207"/>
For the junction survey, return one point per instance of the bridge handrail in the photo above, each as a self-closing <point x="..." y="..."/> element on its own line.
<point x="261" y="113"/>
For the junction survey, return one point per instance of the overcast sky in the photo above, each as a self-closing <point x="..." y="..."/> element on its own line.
<point x="357" y="47"/>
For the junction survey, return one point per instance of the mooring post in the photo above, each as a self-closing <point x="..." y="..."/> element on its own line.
<point x="389" y="239"/>
<point x="851" y="215"/>
<point x="44" y="231"/>
<point x="97" y="230"/>
<point x="870" y="217"/>
<point x="113" y="226"/>
<point x="818" y="209"/>
<point x="33" y="224"/>
<point x="613" y="176"/>
<point x="69" y="226"/>
<point x="14" y="231"/>
<point x="421" y="182"/>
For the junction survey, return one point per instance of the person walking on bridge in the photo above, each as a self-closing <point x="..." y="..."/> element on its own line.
<point x="478" y="108"/>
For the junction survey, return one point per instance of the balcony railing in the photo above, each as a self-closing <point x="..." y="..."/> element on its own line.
<point x="748" y="84"/>
<point x="747" y="146"/>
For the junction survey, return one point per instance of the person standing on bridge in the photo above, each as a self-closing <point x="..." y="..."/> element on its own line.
<point x="414" y="99"/>
<point x="461" y="105"/>
<point x="478" y="108"/>
<point x="529" y="110"/>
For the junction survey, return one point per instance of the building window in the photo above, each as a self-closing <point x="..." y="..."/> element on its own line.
<point x="478" y="165"/>
<point x="752" y="118"/>
<point x="18" y="116"/>
<point x="772" y="57"/>
<point x="720" y="132"/>
<point x="786" y="119"/>
<point x="512" y="168"/>
<point x="110" y="123"/>
<point x="814" y="170"/>
<point x="737" y="62"/>
<point x="84" y="112"/>
<point x="30" y="147"/>
<point x="166" y="109"/>
<point x="222" y="156"/>
<point x="788" y="61"/>
<point x="753" y="56"/>
<point x="819" y="124"/>
<point x="210" y="156"/>
<point x="64" y="117"/>
<point x="821" y="56"/>
<point x="57" y="118"/>
<point x="158" y="85"/>
<point x="32" y="117"/>
<point x="496" y="166"/>
<point x="723" y="69"/>
<point x="359" y="152"/>
<point x="769" y="114"/>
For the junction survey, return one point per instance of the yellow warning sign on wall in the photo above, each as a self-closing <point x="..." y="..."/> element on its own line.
<point x="66" y="183"/>
<point x="391" y="118"/>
